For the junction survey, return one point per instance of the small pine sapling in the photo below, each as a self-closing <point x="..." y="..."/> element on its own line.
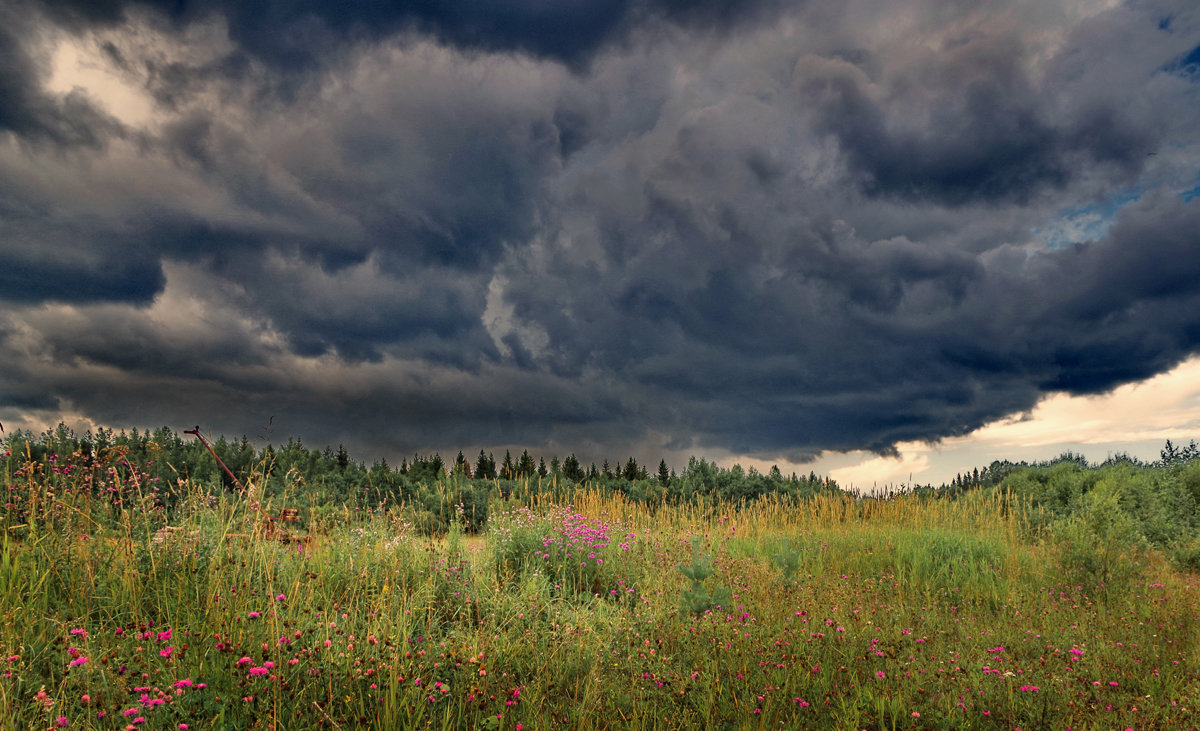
<point x="697" y="599"/>
<point x="786" y="559"/>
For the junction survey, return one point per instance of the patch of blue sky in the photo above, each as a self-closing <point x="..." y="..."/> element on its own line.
<point x="1187" y="66"/>
<point x="1193" y="192"/>
<point x="1080" y="224"/>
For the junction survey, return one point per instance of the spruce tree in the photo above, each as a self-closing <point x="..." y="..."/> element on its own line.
<point x="571" y="469"/>
<point x="486" y="466"/>
<point x="525" y="466"/>
<point x="631" y="470"/>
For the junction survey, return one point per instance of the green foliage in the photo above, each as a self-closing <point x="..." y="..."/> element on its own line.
<point x="786" y="559"/>
<point x="1100" y="545"/>
<point x="1160" y="502"/>
<point x="525" y="467"/>
<point x="485" y="467"/>
<point x="697" y="599"/>
<point x="737" y="484"/>
<point x="1174" y="455"/>
<point x="571" y="469"/>
<point x="1185" y="554"/>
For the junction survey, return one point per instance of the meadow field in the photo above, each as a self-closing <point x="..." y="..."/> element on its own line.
<point x="913" y="612"/>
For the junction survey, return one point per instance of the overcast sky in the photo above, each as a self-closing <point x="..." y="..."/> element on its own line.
<point x="871" y="233"/>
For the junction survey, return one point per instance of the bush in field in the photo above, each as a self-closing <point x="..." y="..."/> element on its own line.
<point x="1186" y="554"/>
<point x="1101" y="544"/>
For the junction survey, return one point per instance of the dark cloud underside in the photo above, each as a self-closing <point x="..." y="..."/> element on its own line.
<point x="768" y="228"/>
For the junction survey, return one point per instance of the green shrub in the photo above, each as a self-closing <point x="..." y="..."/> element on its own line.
<point x="786" y="558"/>
<point x="1100" y="545"/>
<point x="1185" y="554"/>
<point x="696" y="599"/>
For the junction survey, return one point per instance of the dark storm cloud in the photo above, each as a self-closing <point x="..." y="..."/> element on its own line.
<point x="793" y="333"/>
<point x="358" y="314"/>
<point x="293" y="35"/>
<point x="67" y="121"/>
<point x="758" y="227"/>
<point x="1125" y="305"/>
<point x="122" y="278"/>
<point x="230" y="374"/>
<point x="989" y="135"/>
<point x="69" y="260"/>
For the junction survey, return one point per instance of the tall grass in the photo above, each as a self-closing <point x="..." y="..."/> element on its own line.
<point x="833" y="612"/>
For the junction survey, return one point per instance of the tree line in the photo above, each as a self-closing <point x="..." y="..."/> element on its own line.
<point x="168" y="464"/>
<point x="1158" y="502"/>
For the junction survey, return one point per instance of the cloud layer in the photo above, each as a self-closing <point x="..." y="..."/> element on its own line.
<point x="605" y="227"/>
